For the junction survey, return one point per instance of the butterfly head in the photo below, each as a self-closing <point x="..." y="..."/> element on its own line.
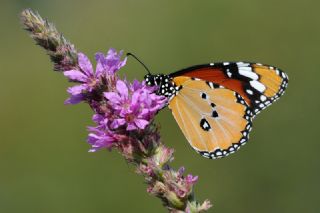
<point x="156" y="80"/>
<point x="166" y="86"/>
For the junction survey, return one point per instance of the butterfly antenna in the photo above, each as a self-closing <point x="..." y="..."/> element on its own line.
<point x="135" y="57"/>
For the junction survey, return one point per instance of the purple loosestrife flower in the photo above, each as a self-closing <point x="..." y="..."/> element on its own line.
<point x="90" y="80"/>
<point x="101" y="136"/>
<point x="111" y="62"/>
<point x="135" y="104"/>
<point x="125" y="106"/>
<point x="190" y="179"/>
<point x="99" y="139"/>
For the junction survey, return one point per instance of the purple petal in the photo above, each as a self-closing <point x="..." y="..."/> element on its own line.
<point x="136" y="85"/>
<point x="122" y="63"/>
<point x="74" y="99"/>
<point x="113" y="97"/>
<point x="113" y="60"/>
<point x="145" y="113"/>
<point x="100" y="139"/>
<point x="112" y="54"/>
<point x="99" y="56"/>
<point x="135" y="98"/>
<point x="85" y="64"/>
<point x="92" y="138"/>
<point x="76" y="75"/>
<point x="100" y="68"/>
<point x="181" y="171"/>
<point x="100" y="120"/>
<point x="191" y="179"/>
<point x="122" y="88"/>
<point x="131" y="126"/>
<point x="117" y="122"/>
<point x="97" y="118"/>
<point x="141" y="123"/>
<point x="76" y="90"/>
<point x="76" y="94"/>
<point x="98" y="142"/>
<point x="135" y="109"/>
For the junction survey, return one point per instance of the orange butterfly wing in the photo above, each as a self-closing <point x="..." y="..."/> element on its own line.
<point x="260" y="85"/>
<point x="216" y="121"/>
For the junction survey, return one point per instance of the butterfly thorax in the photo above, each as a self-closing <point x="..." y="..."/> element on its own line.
<point x="165" y="84"/>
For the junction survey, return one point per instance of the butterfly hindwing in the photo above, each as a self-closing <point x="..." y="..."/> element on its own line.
<point x="259" y="85"/>
<point x="215" y="120"/>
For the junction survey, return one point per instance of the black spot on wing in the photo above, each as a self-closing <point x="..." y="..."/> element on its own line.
<point x="214" y="114"/>
<point x="204" y="124"/>
<point x="203" y="95"/>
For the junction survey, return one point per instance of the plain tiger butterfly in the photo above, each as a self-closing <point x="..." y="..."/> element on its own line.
<point x="214" y="104"/>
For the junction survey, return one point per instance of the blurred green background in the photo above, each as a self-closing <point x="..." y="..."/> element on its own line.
<point x="44" y="163"/>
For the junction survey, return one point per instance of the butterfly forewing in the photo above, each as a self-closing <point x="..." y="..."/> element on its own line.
<point x="258" y="84"/>
<point x="215" y="120"/>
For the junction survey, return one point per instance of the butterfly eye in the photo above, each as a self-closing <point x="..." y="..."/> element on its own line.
<point x="147" y="77"/>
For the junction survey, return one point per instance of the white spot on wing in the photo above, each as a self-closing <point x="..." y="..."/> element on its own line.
<point x="211" y="85"/>
<point x="246" y="69"/>
<point x="249" y="92"/>
<point x="241" y="64"/>
<point x="248" y="74"/>
<point x="257" y="85"/>
<point x="263" y="98"/>
<point x="229" y="73"/>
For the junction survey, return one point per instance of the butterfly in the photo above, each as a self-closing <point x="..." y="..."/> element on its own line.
<point x="214" y="104"/>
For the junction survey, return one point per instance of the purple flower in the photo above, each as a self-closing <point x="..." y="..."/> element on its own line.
<point x="135" y="104"/>
<point x="180" y="172"/>
<point x="101" y="120"/>
<point x="86" y="75"/>
<point x="76" y="94"/>
<point x="90" y="80"/>
<point x="191" y="179"/>
<point x="110" y="63"/>
<point x="99" y="139"/>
